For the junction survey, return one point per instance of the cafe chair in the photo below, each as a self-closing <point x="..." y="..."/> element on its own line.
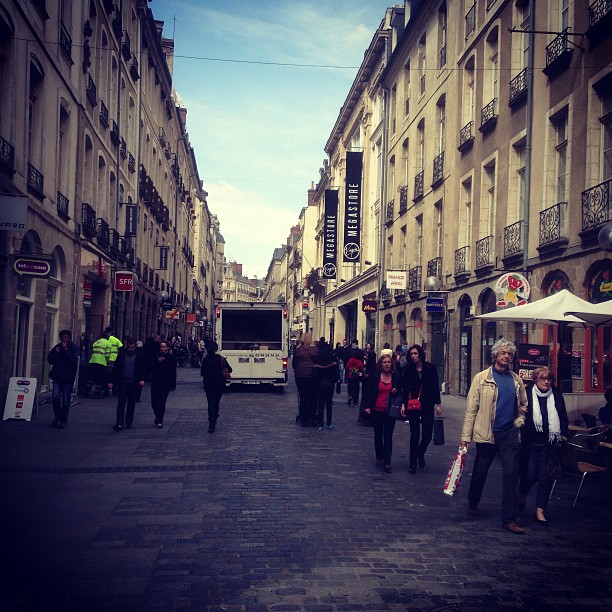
<point x="591" y="421"/>
<point x="586" y="446"/>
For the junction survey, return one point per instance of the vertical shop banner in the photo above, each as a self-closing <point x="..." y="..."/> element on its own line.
<point x="330" y="234"/>
<point x="131" y="220"/>
<point x="529" y="357"/>
<point x="163" y="257"/>
<point x="352" y="207"/>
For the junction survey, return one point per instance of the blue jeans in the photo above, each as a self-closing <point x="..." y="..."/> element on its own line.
<point x="60" y="399"/>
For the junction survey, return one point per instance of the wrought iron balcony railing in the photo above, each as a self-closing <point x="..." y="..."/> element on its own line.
<point x="556" y="48"/>
<point x="466" y="136"/>
<point x="89" y="220"/>
<point x="484" y="252"/>
<point x="598" y="11"/>
<point x="513" y="239"/>
<point x="115" y="137"/>
<point x="462" y="260"/>
<point x="134" y="68"/>
<point x="36" y="182"/>
<point x="414" y="279"/>
<point x="442" y="57"/>
<point x="551" y="223"/>
<point x="126" y="46"/>
<point x="438" y="170"/>
<point x="103" y="114"/>
<point x="403" y="198"/>
<point x="7" y="157"/>
<point x="131" y="163"/>
<point x="518" y="87"/>
<point x="123" y="148"/>
<point x="91" y="91"/>
<point x="63" y="206"/>
<point x="103" y="232"/>
<point x="488" y="115"/>
<point x="596" y="205"/>
<point x="65" y="42"/>
<point x="418" y="185"/>
<point x="434" y="267"/>
<point x="470" y="21"/>
<point x="390" y="212"/>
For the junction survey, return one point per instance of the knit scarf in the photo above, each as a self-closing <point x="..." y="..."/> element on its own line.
<point x="554" y="427"/>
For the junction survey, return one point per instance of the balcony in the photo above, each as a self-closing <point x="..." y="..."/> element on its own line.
<point x="65" y="43"/>
<point x="595" y="208"/>
<point x="484" y="253"/>
<point x="434" y="267"/>
<point x="114" y="242"/>
<point x="138" y="268"/>
<point x="131" y="163"/>
<point x="36" y="182"/>
<point x="63" y="206"/>
<point x="470" y="21"/>
<point x="600" y="21"/>
<point x="89" y="221"/>
<point x="466" y="137"/>
<point x="438" y="170"/>
<point x="558" y="56"/>
<point x="162" y="137"/>
<point x="165" y="218"/>
<point x="115" y="137"/>
<point x="134" y="68"/>
<point x="389" y="212"/>
<point x="125" y="46"/>
<point x="414" y="279"/>
<point x="418" y="186"/>
<point x="103" y="114"/>
<point x="399" y="295"/>
<point x="103" y="233"/>
<point x="488" y="117"/>
<point x="553" y="232"/>
<point x="518" y="88"/>
<point x="92" y="95"/>
<point x="403" y="198"/>
<point x="123" y="148"/>
<point x="7" y="157"/>
<point x="513" y="240"/>
<point x="462" y="263"/>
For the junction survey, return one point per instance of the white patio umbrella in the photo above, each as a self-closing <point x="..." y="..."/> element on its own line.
<point x="595" y="314"/>
<point x="550" y="310"/>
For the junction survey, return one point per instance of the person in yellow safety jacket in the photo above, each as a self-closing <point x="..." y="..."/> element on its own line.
<point x="98" y="362"/>
<point x="116" y="344"/>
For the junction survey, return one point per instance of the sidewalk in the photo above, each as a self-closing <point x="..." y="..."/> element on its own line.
<point x="266" y="515"/>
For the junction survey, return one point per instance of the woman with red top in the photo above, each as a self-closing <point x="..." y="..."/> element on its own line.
<point x="354" y="368"/>
<point x="376" y="391"/>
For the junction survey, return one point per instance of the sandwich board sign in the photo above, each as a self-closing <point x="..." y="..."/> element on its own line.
<point x="20" y="398"/>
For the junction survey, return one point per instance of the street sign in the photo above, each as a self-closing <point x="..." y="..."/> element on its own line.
<point x="31" y="266"/>
<point x="20" y="398"/>
<point x="173" y="313"/>
<point x="124" y="281"/>
<point x="190" y="317"/>
<point x="434" y="304"/>
<point x="166" y="304"/>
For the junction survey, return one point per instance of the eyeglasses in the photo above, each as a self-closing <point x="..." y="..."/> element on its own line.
<point x="544" y="378"/>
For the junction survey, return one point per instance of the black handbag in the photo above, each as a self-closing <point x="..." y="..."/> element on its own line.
<point x="394" y="406"/>
<point x="438" y="432"/>
<point x="338" y="387"/>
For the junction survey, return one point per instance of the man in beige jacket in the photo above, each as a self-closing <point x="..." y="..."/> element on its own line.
<point x="496" y="408"/>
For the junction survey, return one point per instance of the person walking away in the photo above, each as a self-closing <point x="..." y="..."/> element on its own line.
<point x="496" y="408"/>
<point x="151" y="350"/>
<point x="163" y="381"/>
<point x="420" y="382"/>
<point x="376" y="391"/>
<point x="128" y="374"/>
<point x="326" y="375"/>
<point x="115" y="346"/>
<point x="339" y="357"/>
<point x="355" y="369"/>
<point x="64" y="361"/>
<point x="303" y="361"/>
<point x="213" y="379"/>
<point x="98" y="364"/>
<point x="545" y="425"/>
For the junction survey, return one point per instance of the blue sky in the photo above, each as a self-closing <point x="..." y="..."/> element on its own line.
<point x="258" y="130"/>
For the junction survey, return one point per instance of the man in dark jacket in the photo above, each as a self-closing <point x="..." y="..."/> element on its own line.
<point x="128" y="375"/>
<point x="64" y="359"/>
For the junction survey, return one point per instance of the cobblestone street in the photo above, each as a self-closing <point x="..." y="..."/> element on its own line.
<point x="266" y="515"/>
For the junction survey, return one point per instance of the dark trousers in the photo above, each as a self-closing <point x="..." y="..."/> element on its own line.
<point x="536" y="471"/>
<point x="308" y="399"/>
<point x="353" y="389"/>
<point x="325" y="400"/>
<point x="126" y="394"/>
<point x="98" y="378"/>
<point x="60" y="399"/>
<point x="383" y="435"/>
<point x="159" y="395"/>
<point x="214" y="393"/>
<point x="421" y="431"/>
<point x="508" y="447"/>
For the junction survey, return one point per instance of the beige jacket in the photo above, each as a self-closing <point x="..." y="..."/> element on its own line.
<point x="481" y="403"/>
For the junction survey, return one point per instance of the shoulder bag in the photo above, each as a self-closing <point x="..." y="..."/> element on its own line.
<point x="394" y="406"/>
<point x="414" y="404"/>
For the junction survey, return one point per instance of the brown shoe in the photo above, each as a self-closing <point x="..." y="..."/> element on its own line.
<point x="473" y="510"/>
<point x="514" y="528"/>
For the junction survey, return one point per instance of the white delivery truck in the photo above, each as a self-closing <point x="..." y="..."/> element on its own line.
<point x="253" y="337"/>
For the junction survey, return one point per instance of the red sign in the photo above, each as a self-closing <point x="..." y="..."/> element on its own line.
<point x="124" y="281"/>
<point x="190" y="317"/>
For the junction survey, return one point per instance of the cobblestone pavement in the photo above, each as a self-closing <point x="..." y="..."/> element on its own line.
<point x="266" y="515"/>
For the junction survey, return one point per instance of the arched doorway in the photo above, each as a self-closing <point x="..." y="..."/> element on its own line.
<point x="388" y="329"/>
<point x="465" y="344"/>
<point x="488" y="329"/>
<point x="401" y="328"/>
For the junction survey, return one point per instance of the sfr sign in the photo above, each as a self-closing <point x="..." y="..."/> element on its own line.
<point x="124" y="281"/>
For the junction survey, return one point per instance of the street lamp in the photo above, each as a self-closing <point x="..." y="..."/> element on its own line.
<point x="604" y="238"/>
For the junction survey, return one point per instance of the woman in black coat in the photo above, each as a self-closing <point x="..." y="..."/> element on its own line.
<point x="545" y="424"/>
<point x="163" y="380"/>
<point x="420" y="381"/>
<point x="377" y="388"/>
<point x="213" y="378"/>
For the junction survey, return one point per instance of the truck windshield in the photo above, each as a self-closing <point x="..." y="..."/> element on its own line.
<point x="251" y="329"/>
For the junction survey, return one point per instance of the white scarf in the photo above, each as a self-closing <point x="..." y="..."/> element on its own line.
<point x="554" y="427"/>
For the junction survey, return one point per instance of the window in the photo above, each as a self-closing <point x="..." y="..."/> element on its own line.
<point x="421" y="152"/>
<point x="561" y="156"/>
<point x="35" y="112"/>
<point x="441" y="125"/>
<point x="525" y="21"/>
<point x="606" y="120"/>
<point x="438" y="237"/>
<point x="565" y="16"/>
<point x="442" y="31"/>
<point x="515" y="213"/>
<point x="393" y="110"/>
<point x="405" y="161"/>
<point x="487" y="211"/>
<point x="465" y="216"/>
<point x="145" y="223"/>
<point x="422" y="56"/>
<point x="403" y="247"/>
<point x="470" y="18"/>
<point x="407" y="88"/>
<point x="469" y="94"/>
<point x="390" y="253"/>
<point x="419" y="240"/>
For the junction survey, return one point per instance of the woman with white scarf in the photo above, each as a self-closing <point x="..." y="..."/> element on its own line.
<point x="545" y="424"/>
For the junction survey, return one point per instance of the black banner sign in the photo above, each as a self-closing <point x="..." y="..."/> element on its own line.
<point x="529" y="357"/>
<point x="163" y="257"/>
<point x="352" y="207"/>
<point x="131" y="220"/>
<point x="330" y="234"/>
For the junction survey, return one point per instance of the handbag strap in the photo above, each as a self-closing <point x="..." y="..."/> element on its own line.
<point x="418" y="396"/>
